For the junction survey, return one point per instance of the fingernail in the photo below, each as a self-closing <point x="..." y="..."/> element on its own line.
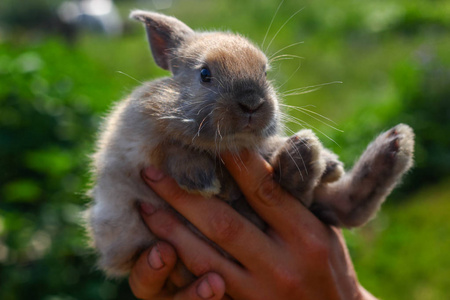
<point x="153" y="174"/>
<point x="204" y="289"/>
<point x="154" y="259"/>
<point x="147" y="208"/>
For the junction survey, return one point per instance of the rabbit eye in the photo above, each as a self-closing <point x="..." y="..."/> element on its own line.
<point x="205" y="75"/>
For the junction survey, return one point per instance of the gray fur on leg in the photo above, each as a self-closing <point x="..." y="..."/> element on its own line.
<point x="298" y="165"/>
<point x="356" y="197"/>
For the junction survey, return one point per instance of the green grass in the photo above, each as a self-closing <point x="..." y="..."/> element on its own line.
<point x="403" y="254"/>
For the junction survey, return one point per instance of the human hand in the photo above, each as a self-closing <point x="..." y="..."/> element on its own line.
<point x="297" y="258"/>
<point x="157" y="276"/>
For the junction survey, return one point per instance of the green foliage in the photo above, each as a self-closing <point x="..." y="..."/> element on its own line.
<point x="391" y="55"/>
<point x="399" y="261"/>
<point x="48" y="115"/>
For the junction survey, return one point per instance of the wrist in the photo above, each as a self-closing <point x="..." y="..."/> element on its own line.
<point x="365" y="295"/>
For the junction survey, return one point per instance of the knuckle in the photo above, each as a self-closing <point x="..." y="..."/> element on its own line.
<point x="176" y="195"/>
<point x="163" y="224"/>
<point x="135" y="288"/>
<point x="319" y="251"/>
<point x="139" y="278"/>
<point x="199" y="266"/>
<point x="287" y="279"/>
<point x="269" y="192"/>
<point x="225" y="227"/>
<point x="133" y="284"/>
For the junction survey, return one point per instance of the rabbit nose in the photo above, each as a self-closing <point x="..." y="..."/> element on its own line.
<point x="250" y="108"/>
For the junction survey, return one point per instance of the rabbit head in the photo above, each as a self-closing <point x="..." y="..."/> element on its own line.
<point x="219" y="93"/>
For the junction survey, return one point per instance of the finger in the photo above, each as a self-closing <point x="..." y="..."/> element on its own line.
<point x="149" y="275"/>
<point x="217" y="221"/>
<point x="277" y="207"/>
<point x="181" y="276"/>
<point x="152" y="269"/>
<point x="198" y="256"/>
<point x="210" y="286"/>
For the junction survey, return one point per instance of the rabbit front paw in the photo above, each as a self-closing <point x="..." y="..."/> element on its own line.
<point x="195" y="173"/>
<point x="198" y="180"/>
<point x="298" y="164"/>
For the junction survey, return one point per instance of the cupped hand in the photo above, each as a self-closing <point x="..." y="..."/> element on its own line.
<point x="156" y="276"/>
<point x="298" y="257"/>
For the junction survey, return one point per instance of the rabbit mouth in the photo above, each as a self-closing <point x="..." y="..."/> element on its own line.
<point x="250" y="126"/>
<point x="254" y="124"/>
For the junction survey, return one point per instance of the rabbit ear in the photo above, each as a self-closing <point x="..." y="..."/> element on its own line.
<point x="164" y="34"/>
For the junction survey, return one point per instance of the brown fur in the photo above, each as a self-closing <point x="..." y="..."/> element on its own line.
<point x="181" y="123"/>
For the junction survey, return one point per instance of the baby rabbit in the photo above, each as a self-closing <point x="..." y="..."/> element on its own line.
<point x="219" y="99"/>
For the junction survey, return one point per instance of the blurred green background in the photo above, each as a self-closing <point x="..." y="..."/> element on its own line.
<point x="58" y="78"/>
